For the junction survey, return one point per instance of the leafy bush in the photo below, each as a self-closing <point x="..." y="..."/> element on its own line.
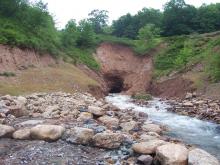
<point x="142" y="96"/>
<point x="8" y="74"/>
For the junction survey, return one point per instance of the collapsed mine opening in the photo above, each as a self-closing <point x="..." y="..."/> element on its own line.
<point x="115" y="83"/>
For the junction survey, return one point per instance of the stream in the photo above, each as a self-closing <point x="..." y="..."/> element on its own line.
<point x="205" y="135"/>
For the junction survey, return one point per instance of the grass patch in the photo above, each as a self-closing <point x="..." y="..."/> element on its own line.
<point x="83" y="56"/>
<point x="142" y="96"/>
<point x="183" y="52"/>
<point x="64" y="77"/>
<point x="138" y="46"/>
<point x="8" y="74"/>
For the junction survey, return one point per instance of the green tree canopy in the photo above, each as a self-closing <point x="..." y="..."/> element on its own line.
<point x="99" y="19"/>
<point x="86" y="34"/>
<point x="178" y="18"/>
<point x="70" y="34"/>
<point x="148" y="32"/>
<point x="128" y="25"/>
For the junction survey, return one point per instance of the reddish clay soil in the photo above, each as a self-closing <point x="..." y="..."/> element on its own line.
<point x="12" y="59"/>
<point x="122" y="70"/>
<point x="175" y="87"/>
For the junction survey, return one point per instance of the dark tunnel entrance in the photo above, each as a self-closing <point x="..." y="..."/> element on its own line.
<point x="115" y="83"/>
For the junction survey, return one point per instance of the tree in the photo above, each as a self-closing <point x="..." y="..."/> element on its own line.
<point x="86" y="34"/>
<point x="70" y="34"/>
<point x="128" y="25"/>
<point x="148" y="33"/>
<point x="98" y="19"/>
<point x="149" y="16"/>
<point x="9" y="8"/>
<point x="208" y="18"/>
<point x="178" y="18"/>
<point x="124" y="27"/>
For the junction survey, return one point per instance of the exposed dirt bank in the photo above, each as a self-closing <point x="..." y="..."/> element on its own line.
<point x="12" y="59"/>
<point x="173" y="87"/>
<point x="122" y="70"/>
<point x="41" y="73"/>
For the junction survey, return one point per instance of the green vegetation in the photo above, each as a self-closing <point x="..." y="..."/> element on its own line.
<point x="7" y="74"/>
<point x="140" y="47"/>
<point x="184" y="52"/>
<point x="142" y="96"/>
<point x="178" y="18"/>
<point x="29" y="25"/>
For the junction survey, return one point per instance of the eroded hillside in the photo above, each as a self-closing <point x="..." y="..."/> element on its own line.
<point x="25" y="71"/>
<point x="122" y="70"/>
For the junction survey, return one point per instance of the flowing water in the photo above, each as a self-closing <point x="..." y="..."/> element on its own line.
<point x="205" y="135"/>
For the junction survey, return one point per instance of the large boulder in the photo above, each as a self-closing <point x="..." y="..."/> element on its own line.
<point x="79" y="135"/>
<point x="109" y="121"/>
<point x="47" y="132"/>
<point x="19" y="108"/>
<point x="201" y="157"/>
<point x="6" y="131"/>
<point x="108" y="140"/>
<point x="172" y="154"/>
<point x="151" y="128"/>
<point x="148" y="147"/>
<point x="22" y="134"/>
<point x="145" y="159"/>
<point x="128" y="126"/>
<point x="97" y="111"/>
<point x="147" y="137"/>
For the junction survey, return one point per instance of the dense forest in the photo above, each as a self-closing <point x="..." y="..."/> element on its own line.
<point x="30" y="25"/>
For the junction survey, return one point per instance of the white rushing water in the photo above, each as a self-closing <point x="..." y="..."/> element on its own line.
<point x="193" y="131"/>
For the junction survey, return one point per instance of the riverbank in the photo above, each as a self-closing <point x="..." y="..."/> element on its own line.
<point x="45" y="128"/>
<point x="199" y="107"/>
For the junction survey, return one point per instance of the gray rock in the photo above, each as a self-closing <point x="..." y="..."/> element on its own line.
<point x="49" y="110"/>
<point x="81" y="135"/>
<point x="172" y="154"/>
<point x="201" y="157"/>
<point x="6" y="131"/>
<point x="108" y="140"/>
<point x="47" y="132"/>
<point x="109" y="121"/>
<point x="128" y="126"/>
<point x="84" y="116"/>
<point x="30" y="123"/>
<point x="148" y="147"/>
<point x="22" y="134"/>
<point x="152" y="128"/>
<point x="97" y="111"/>
<point x="145" y="159"/>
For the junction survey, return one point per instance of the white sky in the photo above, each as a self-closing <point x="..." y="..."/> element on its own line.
<point x="64" y="10"/>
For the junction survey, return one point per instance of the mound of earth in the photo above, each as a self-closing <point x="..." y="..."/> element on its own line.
<point x="123" y="70"/>
<point x="25" y="71"/>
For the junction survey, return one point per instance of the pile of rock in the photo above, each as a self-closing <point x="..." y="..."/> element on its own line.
<point x="201" y="108"/>
<point x="80" y="119"/>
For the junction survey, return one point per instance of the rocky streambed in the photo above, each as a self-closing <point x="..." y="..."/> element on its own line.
<point x="194" y="106"/>
<point x="62" y="128"/>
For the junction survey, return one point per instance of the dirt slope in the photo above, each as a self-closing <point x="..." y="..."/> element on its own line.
<point x="122" y="70"/>
<point x="41" y="73"/>
<point x="12" y="59"/>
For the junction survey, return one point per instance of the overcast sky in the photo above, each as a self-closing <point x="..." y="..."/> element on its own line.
<point x="64" y="10"/>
